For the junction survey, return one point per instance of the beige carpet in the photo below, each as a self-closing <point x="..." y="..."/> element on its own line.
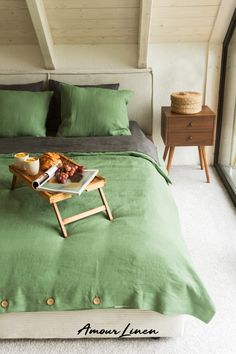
<point x="209" y="228"/>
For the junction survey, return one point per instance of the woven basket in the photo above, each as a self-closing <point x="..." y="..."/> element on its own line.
<point x="186" y="102"/>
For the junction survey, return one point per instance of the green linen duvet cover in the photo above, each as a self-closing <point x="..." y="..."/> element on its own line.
<point x="139" y="260"/>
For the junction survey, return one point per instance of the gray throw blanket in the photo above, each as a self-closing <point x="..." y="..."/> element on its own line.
<point x="137" y="142"/>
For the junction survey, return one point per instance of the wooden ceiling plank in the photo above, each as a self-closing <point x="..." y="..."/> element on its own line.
<point x="15" y="35"/>
<point x="92" y="14"/>
<point x="179" y="3"/>
<point x="7" y="26"/>
<point x="15" y="15"/>
<point x="42" y="30"/>
<point x="91" y="32"/>
<point x="83" y="4"/>
<point x="166" y="38"/>
<point x="12" y="4"/>
<point x="185" y="11"/>
<point x="184" y="21"/>
<point x="96" y="40"/>
<point x="144" y="32"/>
<point x="182" y="30"/>
<point x="93" y="24"/>
<point x="17" y="40"/>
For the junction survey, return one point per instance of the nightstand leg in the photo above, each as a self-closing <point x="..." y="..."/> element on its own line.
<point x="166" y="152"/>
<point x="200" y="157"/>
<point x="205" y="163"/>
<point x="171" y="154"/>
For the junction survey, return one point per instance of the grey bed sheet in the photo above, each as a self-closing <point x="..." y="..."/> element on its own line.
<point x="136" y="142"/>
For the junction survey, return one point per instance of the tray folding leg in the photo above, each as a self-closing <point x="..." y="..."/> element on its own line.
<point x="54" y="199"/>
<point x="13" y="183"/>
<point x="62" y="222"/>
<point x="59" y="219"/>
<point x="107" y="209"/>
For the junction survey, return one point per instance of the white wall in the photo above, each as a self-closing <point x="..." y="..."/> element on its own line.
<point x="176" y="67"/>
<point x="92" y="57"/>
<point x="15" y="58"/>
<point x="69" y="58"/>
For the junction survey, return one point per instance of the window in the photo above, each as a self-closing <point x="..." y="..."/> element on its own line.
<point x="225" y="152"/>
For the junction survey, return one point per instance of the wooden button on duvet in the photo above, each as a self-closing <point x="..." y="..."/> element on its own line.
<point x="97" y="301"/>
<point x="4" y="304"/>
<point x="50" y="301"/>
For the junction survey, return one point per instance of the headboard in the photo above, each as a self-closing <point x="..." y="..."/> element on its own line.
<point x="140" y="106"/>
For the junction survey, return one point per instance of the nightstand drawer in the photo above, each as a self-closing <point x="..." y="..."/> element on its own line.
<point x="190" y="124"/>
<point x="190" y="138"/>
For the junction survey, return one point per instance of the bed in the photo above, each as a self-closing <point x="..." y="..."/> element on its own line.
<point x="137" y="266"/>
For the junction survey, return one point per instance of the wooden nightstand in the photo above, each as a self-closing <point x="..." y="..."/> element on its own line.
<point x="188" y="130"/>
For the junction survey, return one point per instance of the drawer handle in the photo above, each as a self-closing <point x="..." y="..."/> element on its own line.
<point x="190" y="138"/>
<point x="190" y="124"/>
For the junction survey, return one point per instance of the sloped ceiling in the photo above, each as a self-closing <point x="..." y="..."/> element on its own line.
<point x="126" y="22"/>
<point x="15" y="23"/>
<point x="92" y="21"/>
<point x="109" y="21"/>
<point x="183" y="20"/>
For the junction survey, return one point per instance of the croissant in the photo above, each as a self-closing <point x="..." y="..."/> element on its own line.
<point x="48" y="159"/>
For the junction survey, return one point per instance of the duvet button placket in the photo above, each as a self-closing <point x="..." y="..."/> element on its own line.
<point x="96" y="301"/>
<point x="4" y="304"/>
<point x="50" y="301"/>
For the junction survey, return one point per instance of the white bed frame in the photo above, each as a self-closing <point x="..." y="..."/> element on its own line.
<point x="66" y="324"/>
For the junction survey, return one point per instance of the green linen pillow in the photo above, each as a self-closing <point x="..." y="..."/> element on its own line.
<point x="93" y="111"/>
<point x="23" y="113"/>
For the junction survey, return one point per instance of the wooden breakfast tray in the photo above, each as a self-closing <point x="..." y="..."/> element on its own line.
<point x="53" y="198"/>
